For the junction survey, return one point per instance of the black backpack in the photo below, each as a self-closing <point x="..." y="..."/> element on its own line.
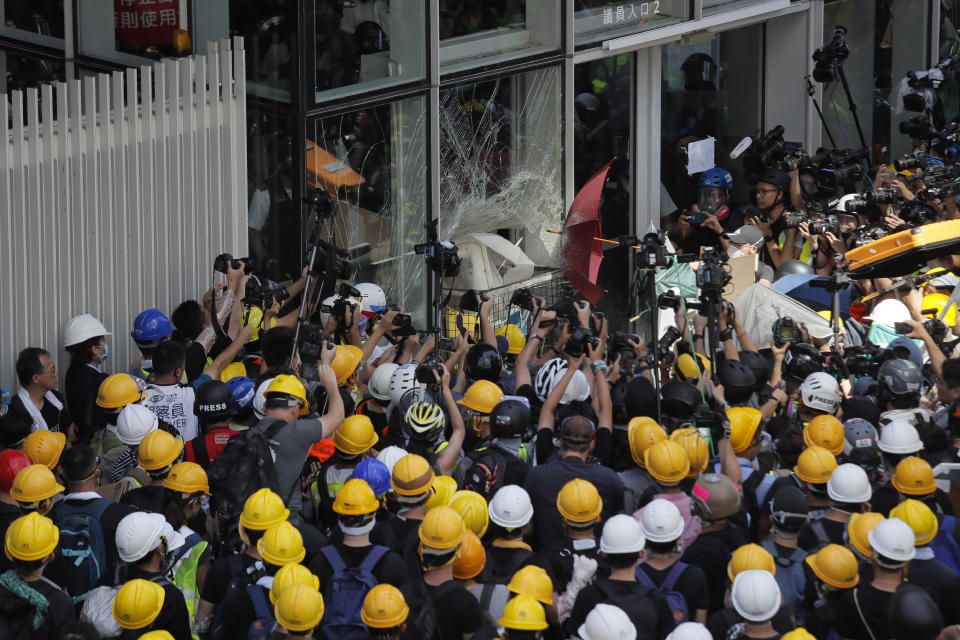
<point x="501" y="574"/>
<point x="244" y="466"/>
<point x="631" y="603"/>
<point x="422" y="622"/>
<point x="240" y="579"/>
<point x="486" y="474"/>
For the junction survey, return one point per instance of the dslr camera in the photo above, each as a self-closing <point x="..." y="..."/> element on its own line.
<point x="522" y="298"/>
<point x="257" y="295"/>
<point x="424" y="372"/>
<point x="579" y="342"/>
<point x="221" y="261"/>
<point x="471" y="300"/>
<point x="786" y="331"/>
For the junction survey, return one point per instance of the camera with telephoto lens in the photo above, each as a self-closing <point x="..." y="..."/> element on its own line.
<point x="796" y="160"/>
<point x="665" y="343"/>
<point x="786" y="331"/>
<point x="522" y="298"/>
<point x="579" y="342"/>
<point x="338" y="309"/>
<point x="668" y="300"/>
<point x="713" y="274"/>
<point x="916" y="213"/>
<point x="565" y="309"/>
<point x="887" y="195"/>
<point x="939" y="191"/>
<point x="918" y="127"/>
<point x="839" y="167"/>
<point x="321" y="201"/>
<point x="864" y="360"/>
<point x="769" y="150"/>
<point x="710" y="422"/>
<point x="865" y="234"/>
<point x="471" y="300"/>
<point x="916" y="159"/>
<point x="792" y="220"/>
<point x="221" y="261"/>
<point x="256" y="295"/>
<point x="618" y="344"/>
<point x="424" y="372"/>
<point x="653" y="252"/>
<point x="825" y="224"/>
<point x="442" y="257"/>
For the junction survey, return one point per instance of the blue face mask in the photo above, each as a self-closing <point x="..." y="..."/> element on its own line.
<point x="106" y="352"/>
<point x="883" y="335"/>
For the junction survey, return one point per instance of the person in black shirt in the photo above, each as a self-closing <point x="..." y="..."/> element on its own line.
<point x="47" y="409"/>
<point x="849" y="492"/>
<point x="510" y="515"/>
<point x="756" y="597"/>
<point x="83" y="337"/>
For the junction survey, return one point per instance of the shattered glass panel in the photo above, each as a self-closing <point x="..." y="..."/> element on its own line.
<point x="374" y="162"/>
<point x="501" y="156"/>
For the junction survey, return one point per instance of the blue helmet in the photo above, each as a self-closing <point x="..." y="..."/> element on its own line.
<point x="151" y="325"/>
<point x="375" y="473"/>
<point x="716" y="177"/>
<point x="243" y="391"/>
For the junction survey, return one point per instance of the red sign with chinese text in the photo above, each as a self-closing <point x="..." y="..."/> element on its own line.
<point x="139" y="23"/>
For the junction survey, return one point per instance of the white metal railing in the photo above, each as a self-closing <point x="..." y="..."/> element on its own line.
<point x="116" y="193"/>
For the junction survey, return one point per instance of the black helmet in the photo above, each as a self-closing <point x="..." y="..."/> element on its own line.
<point x="802" y="359"/>
<point x="213" y="402"/>
<point x="758" y="364"/>
<point x="900" y="382"/>
<point x="914" y="614"/>
<point x="737" y="379"/>
<point x="510" y="419"/>
<point x="483" y="363"/>
<point x="679" y="399"/>
<point x="788" y="267"/>
<point x="641" y="398"/>
<point x="788" y="509"/>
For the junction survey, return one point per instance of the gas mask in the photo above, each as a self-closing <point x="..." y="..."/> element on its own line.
<point x="712" y="200"/>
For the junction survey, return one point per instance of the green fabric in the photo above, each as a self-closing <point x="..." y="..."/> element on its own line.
<point x="18" y="587"/>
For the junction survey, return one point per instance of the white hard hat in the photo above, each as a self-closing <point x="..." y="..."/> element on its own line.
<point x="379" y="383"/>
<point x="326" y="302"/>
<point x="661" y="521"/>
<point x="889" y="312"/>
<point x="402" y="379"/>
<point x="81" y="328"/>
<point x="893" y="538"/>
<point x="372" y="298"/>
<point x="756" y="595"/>
<point x="849" y="483"/>
<point x="510" y="507"/>
<point x="899" y="436"/>
<point x="134" y="422"/>
<point x="390" y="456"/>
<point x="820" y="391"/>
<point x="141" y="532"/>
<point x="607" y="622"/>
<point x="690" y="631"/>
<point x="578" y="388"/>
<point x="260" y="399"/>
<point x="622" y="534"/>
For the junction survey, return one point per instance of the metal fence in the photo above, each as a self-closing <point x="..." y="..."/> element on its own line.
<point x="116" y="193"/>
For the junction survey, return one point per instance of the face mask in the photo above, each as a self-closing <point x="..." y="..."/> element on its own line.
<point x="734" y="251"/>
<point x="358" y="531"/>
<point x="106" y="352"/>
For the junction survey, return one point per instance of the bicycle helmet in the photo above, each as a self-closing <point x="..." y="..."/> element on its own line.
<point x="716" y="177"/>
<point x="379" y="383"/>
<point x="424" y="421"/>
<point x="243" y="392"/>
<point x="402" y="380"/>
<point x="547" y="376"/>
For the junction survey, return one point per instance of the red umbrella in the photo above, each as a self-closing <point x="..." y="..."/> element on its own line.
<point x="581" y="250"/>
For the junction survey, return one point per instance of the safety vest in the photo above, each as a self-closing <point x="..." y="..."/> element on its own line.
<point x="184" y="570"/>
<point x="806" y="251"/>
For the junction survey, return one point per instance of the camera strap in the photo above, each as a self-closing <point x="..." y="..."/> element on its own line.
<point x="214" y="320"/>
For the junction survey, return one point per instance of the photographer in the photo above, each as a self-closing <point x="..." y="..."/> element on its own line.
<point x="712" y="215"/>
<point x="772" y="198"/>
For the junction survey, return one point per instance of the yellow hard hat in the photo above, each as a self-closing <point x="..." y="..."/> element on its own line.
<point x="835" y="565"/>
<point x="355" y="498"/>
<point x="471" y="557"/>
<point x="750" y="556"/>
<point x="384" y="607"/>
<point x="744" y="422"/>
<point x="825" y="431"/>
<point x="355" y="435"/>
<point x="281" y="544"/>
<point x="412" y="475"/>
<point x="34" y="484"/>
<point x="441" y="528"/>
<point x="533" y="581"/>
<point x="667" y="462"/>
<point x="686" y="366"/>
<point x="642" y="432"/>
<point x="858" y="526"/>
<point x="698" y="453"/>
<point x="798" y="634"/>
<point x="827" y="315"/>
<point x="44" y="447"/>
<point x="938" y="301"/>
<point x="262" y="510"/>
<point x="138" y="603"/>
<point x="159" y="634"/>
<point x="815" y="465"/>
<point x="579" y="501"/>
<point x="443" y="489"/>
<point x="157" y="450"/>
<point x="289" y="386"/>
<point x="516" y="341"/>
<point x="118" y="391"/>
<point x="254" y="318"/>
<point x="905" y="172"/>
<point x="345" y="361"/>
<point x="289" y="575"/>
<point x="481" y="396"/>
<point x="188" y="477"/>
<point x="233" y="370"/>
<point x="473" y="509"/>
<point x="523" y="613"/>
<point x="920" y="518"/>
<point x="299" y="608"/>
<point x="913" y="477"/>
<point x="31" y="537"/>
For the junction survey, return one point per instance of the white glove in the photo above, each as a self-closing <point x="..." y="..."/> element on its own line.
<point x="584" y="569"/>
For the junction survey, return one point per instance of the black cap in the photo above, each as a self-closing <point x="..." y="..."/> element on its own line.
<point x="777" y="178"/>
<point x="79" y="462"/>
<point x="789" y="509"/>
<point x="861" y="407"/>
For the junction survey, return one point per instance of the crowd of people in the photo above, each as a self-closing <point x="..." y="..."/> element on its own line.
<point x="537" y="479"/>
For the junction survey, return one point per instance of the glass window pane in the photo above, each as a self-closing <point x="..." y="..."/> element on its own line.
<point x="39" y="21"/>
<point x="602" y="131"/>
<point x="373" y="161"/>
<point x="367" y="44"/>
<point x="19" y="72"/>
<point x="496" y="30"/>
<point x="712" y="7"/>
<point x="714" y="89"/>
<point x="603" y="20"/>
<point x="270" y="35"/>
<point x="501" y="155"/>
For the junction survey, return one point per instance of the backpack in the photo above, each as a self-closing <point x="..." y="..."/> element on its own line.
<point x="944" y="546"/>
<point x="790" y="576"/>
<point x="501" y="575"/>
<point x="98" y="605"/>
<point x="407" y="548"/>
<point x="629" y="602"/>
<point x="422" y="621"/>
<point x="245" y="465"/>
<point x="487" y="472"/>
<point x="343" y="597"/>
<point x="239" y="579"/>
<point x="675" y="600"/>
<point x="82" y="545"/>
<point x="263" y="619"/>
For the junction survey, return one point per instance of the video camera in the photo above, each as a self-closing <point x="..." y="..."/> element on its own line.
<point x="713" y="274"/>
<point x="221" y="261"/>
<point x="918" y="127"/>
<point x="916" y="159"/>
<point x="839" y="167"/>
<point x="924" y="85"/>
<point x="769" y="150"/>
<point x="831" y="56"/>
